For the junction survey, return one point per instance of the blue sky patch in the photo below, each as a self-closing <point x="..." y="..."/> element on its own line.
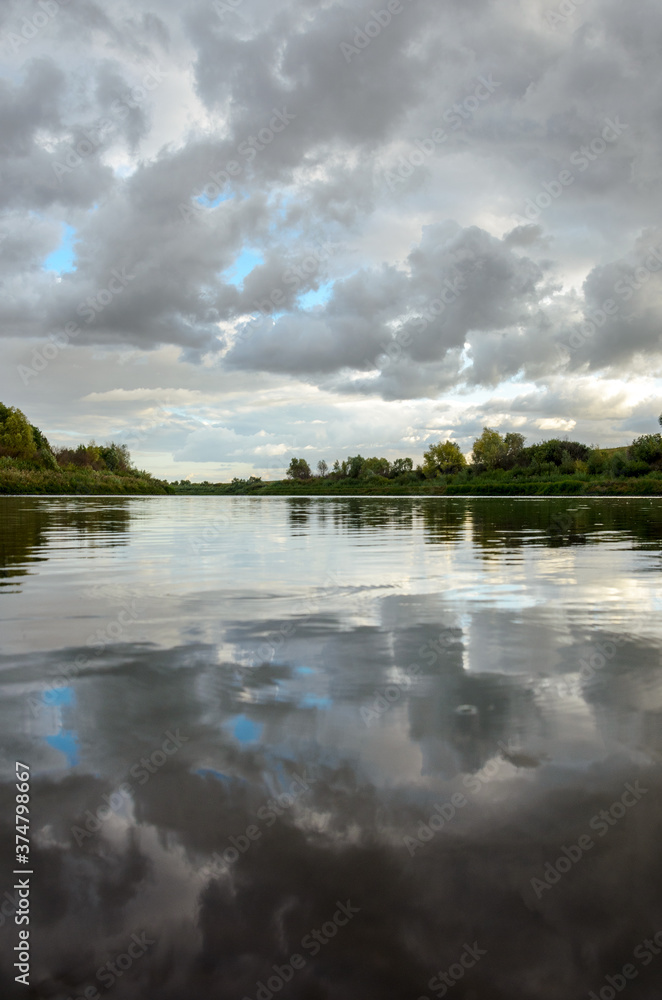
<point x="243" y="265"/>
<point x="62" y="259"/>
<point x="208" y="202"/>
<point x="316" y="298"/>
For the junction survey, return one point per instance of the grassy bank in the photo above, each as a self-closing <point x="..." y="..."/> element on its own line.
<point x="15" y="481"/>
<point x="89" y="482"/>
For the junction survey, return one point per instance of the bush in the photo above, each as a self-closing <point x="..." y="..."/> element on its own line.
<point x="78" y="481"/>
<point x="647" y="448"/>
<point x="618" y="465"/>
<point x="636" y="468"/>
<point x="597" y="462"/>
<point x="557" y="452"/>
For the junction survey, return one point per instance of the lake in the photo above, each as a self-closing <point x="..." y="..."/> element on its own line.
<point x="333" y="748"/>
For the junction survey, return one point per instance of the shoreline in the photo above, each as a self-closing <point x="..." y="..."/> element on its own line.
<point x="603" y="494"/>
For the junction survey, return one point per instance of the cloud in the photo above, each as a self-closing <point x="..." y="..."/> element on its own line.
<point x="255" y="138"/>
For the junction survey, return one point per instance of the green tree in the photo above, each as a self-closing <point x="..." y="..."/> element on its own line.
<point x="16" y="435"/>
<point x="489" y="449"/>
<point x="647" y="448"/>
<point x="117" y="457"/>
<point x="322" y="468"/>
<point x="444" y="457"/>
<point x="299" y="469"/>
<point x="376" y="466"/>
<point x="514" y="446"/>
<point x="354" y="466"/>
<point x="402" y="466"/>
<point x="597" y="462"/>
<point x="45" y="453"/>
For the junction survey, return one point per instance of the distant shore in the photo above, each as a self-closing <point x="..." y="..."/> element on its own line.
<point x="532" y="487"/>
<point x="499" y="466"/>
<point x="90" y="483"/>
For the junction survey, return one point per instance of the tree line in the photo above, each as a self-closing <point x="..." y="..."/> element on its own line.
<point x="496" y="454"/>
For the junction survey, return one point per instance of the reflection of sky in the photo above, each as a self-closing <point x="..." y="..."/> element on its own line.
<point x="66" y="743"/>
<point x="224" y="779"/>
<point x="262" y="644"/>
<point x="244" y="729"/>
<point x="63" y="740"/>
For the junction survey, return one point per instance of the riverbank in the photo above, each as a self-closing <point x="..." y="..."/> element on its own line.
<point x="88" y="482"/>
<point x="570" y="486"/>
<point x="17" y="482"/>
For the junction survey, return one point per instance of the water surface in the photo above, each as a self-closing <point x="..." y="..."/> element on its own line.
<point x="334" y="748"/>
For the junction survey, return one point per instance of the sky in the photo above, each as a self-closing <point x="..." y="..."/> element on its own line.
<point x="237" y="231"/>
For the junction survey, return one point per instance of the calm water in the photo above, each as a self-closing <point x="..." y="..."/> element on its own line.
<point x="335" y="748"/>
